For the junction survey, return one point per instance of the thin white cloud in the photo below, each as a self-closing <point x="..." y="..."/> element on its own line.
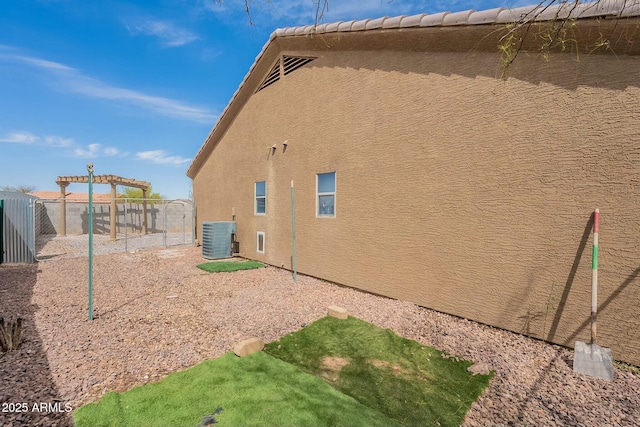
<point x="208" y="54"/>
<point x="112" y="151"/>
<point x="71" y="80"/>
<point x="19" y="137"/>
<point x="54" y="141"/>
<point x="169" y="34"/>
<point x="90" y="152"/>
<point x="159" y="105"/>
<point x="24" y="137"/>
<point x="161" y="157"/>
<point x="57" y="141"/>
<point x="40" y="63"/>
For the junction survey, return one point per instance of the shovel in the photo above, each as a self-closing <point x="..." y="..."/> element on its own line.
<point x="589" y="358"/>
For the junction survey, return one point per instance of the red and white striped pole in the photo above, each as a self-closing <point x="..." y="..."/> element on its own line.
<point x="594" y="275"/>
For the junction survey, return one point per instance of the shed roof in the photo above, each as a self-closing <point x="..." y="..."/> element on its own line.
<point x="15" y="195"/>
<point x="471" y="25"/>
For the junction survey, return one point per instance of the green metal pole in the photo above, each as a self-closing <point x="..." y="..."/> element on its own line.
<point x="293" y="233"/>
<point x="594" y="276"/>
<point x="90" y="230"/>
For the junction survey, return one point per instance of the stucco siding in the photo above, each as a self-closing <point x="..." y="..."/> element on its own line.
<point x="456" y="189"/>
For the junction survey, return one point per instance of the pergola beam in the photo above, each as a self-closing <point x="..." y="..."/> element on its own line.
<point x="113" y="180"/>
<point x="104" y="179"/>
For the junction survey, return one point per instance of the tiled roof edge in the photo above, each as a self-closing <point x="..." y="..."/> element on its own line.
<point x="537" y="12"/>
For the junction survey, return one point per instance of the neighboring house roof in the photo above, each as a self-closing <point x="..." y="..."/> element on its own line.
<point x="477" y="27"/>
<point x="73" y="197"/>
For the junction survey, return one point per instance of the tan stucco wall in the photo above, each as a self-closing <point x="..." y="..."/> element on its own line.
<point x="456" y="190"/>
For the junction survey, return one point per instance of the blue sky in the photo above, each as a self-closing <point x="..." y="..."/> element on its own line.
<point x="136" y="86"/>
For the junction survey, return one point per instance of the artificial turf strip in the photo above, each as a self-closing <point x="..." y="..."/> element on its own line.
<point x="227" y="267"/>
<point x="256" y="390"/>
<point x="406" y="381"/>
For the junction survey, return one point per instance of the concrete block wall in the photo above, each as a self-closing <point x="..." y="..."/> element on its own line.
<point x="178" y="217"/>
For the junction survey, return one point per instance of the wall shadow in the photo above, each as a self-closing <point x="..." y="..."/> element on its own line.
<point x="481" y="55"/>
<point x="102" y="219"/>
<point x="569" y="283"/>
<point x="25" y="376"/>
<point x="44" y="226"/>
<point x="560" y="354"/>
<point x="630" y="279"/>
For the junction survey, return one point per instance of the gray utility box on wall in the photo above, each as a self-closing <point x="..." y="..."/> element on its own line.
<point x="218" y="239"/>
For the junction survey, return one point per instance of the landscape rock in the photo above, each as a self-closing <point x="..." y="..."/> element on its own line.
<point x="480" y="368"/>
<point x="338" y="312"/>
<point x="248" y="346"/>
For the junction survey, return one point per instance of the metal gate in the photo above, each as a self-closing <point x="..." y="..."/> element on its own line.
<point x="17" y="228"/>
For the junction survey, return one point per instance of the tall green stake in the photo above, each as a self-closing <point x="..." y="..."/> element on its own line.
<point x="594" y="276"/>
<point x="90" y="231"/>
<point x="293" y="233"/>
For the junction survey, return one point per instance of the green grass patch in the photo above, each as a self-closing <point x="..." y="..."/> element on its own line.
<point x="406" y="381"/>
<point x="256" y="390"/>
<point x="227" y="266"/>
<point x="331" y="373"/>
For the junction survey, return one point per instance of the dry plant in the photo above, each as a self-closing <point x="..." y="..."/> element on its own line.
<point x="10" y="334"/>
<point x="558" y="32"/>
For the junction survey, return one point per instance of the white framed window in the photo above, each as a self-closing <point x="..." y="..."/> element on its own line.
<point x="326" y="194"/>
<point x="260" y="242"/>
<point x="260" y="199"/>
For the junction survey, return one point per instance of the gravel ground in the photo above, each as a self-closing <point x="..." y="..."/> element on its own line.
<point x="156" y="313"/>
<point x="51" y="246"/>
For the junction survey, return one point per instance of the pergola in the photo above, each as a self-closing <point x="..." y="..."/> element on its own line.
<point x="113" y="180"/>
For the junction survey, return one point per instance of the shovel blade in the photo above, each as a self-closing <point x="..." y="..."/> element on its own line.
<point x="593" y="360"/>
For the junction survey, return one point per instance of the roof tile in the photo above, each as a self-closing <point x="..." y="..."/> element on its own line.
<point x="376" y="23"/>
<point x="630" y="9"/>
<point x="457" y="18"/>
<point x="411" y="21"/>
<point x="333" y="27"/>
<point x="393" y="22"/>
<point x="346" y="26"/>
<point x="517" y="14"/>
<point x="360" y="25"/>
<point x="484" y="16"/>
<point x="556" y="11"/>
<point x="434" y="20"/>
<point x="601" y="8"/>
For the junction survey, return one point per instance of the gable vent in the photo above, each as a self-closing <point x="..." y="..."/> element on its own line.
<point x="289" y="65"/>
<point x="273" y="77"/>
<point x="292" y="63"/>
